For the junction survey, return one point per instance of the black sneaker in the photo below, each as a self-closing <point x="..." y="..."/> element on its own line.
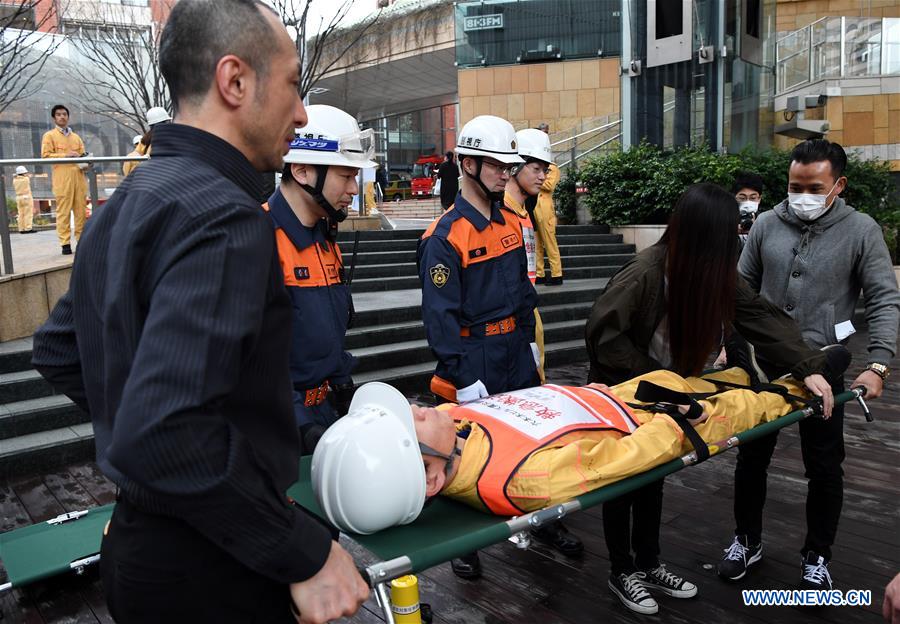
<point x="555" y="281"/>
<point x="632" y="593"/>
<point x="738" y="558"/>
<point x="67" y="250"/>
<point x="741" y="353"/>
<point x="814" y="572"/>
<point x="667" y="582"/>
<point x="540" y="279"/>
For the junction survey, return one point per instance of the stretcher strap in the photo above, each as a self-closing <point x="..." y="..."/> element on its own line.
<point x="666" y="401"/>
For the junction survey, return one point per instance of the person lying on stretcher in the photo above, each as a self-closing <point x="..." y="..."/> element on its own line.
<point x="519" y="451"/>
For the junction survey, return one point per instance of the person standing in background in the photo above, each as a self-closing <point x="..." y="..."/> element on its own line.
<point x="448" y="174"/>
<point x="69" y="184"/>
<point x="545" y="226"/>
<point x="24" y="199"/>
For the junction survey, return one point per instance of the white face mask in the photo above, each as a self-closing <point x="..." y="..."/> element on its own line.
<point x="808" y="206"/>
<point x="749" y="206"/>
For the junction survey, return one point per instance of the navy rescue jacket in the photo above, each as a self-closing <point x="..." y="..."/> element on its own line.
<point x="313" y="275"/>
<point x="474" y="272"/>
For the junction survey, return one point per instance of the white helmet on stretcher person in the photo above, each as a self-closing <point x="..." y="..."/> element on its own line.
<point x="367" y="469"/>
<point x="330" y="138"/>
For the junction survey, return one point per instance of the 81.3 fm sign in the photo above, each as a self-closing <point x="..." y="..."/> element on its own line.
<point x="483" y="22"/>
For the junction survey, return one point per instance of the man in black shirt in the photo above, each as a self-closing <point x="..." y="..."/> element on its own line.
<point x="175" y="335"/>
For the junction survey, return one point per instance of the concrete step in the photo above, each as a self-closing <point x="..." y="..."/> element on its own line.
<point x="376" y="284"/>
<point x="400" y="269"/>
<point x="392" y="333"/>
<point x="22" y="385"/>
<point x="40" y="452"/>
<point x="383" y="356"/>
<point x="33" y="415"/>
<point x="15" y="355"/>
<point x="414" y="379"/>
<point x="406" y="244"/>
<point x="409" y="255"/>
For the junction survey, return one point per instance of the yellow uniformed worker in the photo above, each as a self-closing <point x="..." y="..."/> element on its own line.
<point x="129" y="165"/>
<point x="24" y="199"/>
<point x="69" y="184"/>
<point x="545" y="227"/>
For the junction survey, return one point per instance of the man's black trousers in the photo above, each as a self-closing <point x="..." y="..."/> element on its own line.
<point x="158" y="569"/>
<point x="822" y="446"/>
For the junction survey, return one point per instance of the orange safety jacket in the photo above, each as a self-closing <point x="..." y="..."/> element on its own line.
<point x="522" y="422"/>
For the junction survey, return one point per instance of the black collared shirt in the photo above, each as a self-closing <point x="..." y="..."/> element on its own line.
<point x="175" y="333"/>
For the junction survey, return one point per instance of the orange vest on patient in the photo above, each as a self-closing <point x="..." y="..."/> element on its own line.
<point x="540" y="446"/>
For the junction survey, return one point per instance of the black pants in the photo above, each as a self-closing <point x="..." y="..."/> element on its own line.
<point x="158" y="569"/>
<point x="631" y="523"/>
<point x="822" y="446"/>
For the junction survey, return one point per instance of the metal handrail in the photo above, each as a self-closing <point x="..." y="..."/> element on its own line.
<point x="596" y="147"/>
<point x="92" y="184"/>
<point x="602" y="128"/>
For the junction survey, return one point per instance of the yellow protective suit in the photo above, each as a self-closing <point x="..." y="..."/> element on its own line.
<point x="129" y="165"/>
<point x="24" y="201"/>
<point x="520" y="211"/>
<point x="584" y="461"/>
<point x="545" y="226"/>
<point x="69" y="184"/>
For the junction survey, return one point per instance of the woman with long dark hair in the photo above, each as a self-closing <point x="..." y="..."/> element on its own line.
<point x="671" y="307"/>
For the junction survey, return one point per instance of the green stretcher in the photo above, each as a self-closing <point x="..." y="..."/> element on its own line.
<point x="445" y="529"/>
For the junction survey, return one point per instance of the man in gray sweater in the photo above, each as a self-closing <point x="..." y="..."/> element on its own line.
<point x="812" y="255"/>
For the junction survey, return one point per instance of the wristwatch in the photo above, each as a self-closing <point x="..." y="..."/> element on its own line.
<point x="879" y="369"/>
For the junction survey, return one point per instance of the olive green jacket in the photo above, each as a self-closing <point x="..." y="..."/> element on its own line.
<point x="625" y="317"/>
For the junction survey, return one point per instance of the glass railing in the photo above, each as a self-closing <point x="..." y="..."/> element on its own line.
<point x="838" y="47"/>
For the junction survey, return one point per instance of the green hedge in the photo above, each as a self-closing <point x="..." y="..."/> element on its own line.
<point x="641" y="186"/>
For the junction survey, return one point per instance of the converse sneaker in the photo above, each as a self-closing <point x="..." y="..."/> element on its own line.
<point x="667" y="582"/>
<point x="814" y="572"/>
<point x="741" y="353"/>
<point x="632" y="593"/>
<point x="738" y="558"/>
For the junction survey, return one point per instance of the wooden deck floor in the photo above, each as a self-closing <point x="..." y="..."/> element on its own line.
<point x="540" y="586"/>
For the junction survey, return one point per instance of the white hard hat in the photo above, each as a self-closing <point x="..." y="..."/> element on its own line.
<point x="156" y="115"/>
<point x="332" y="137"/>
<point x="487" y="135"/>
<point x="20" y="170"/>
<point x="137" y="139"/>
<point x="367" y="469"/>
<point x="534" y="144"/>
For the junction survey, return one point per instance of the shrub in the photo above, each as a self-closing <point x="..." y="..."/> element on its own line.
<point x="564" y="196"/>
<point x="641" y="186"/>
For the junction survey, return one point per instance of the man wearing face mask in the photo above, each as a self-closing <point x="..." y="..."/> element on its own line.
<point x="747" y="189"/>
<point x="812" y="255"/>
<point x="317" y="185"/>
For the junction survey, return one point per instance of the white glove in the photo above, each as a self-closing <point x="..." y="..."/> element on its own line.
<point x="536" y="354"/>
<point x="471" y="393"/>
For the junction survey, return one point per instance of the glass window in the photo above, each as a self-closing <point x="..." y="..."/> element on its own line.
<point x="522" y="31"/>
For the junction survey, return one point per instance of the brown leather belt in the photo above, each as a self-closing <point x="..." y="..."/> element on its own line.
<point x="497" y="328"/>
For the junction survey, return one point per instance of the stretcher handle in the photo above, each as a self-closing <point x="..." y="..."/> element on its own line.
<point x="859" y="392"/>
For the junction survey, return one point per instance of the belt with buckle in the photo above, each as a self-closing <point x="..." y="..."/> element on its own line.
<point x="316" y="396"/>
<point x="497" y="328"/>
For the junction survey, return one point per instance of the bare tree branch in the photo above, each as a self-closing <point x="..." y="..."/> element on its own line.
<point x="26" y="43"/>
<point x="312" y="39"/>
<point x="123" y="79"/>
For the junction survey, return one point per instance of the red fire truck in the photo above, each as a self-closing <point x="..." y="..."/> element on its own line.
<point x="424" y="173"/>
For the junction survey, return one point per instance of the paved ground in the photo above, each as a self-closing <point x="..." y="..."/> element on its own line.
<point x="36" y="252"/>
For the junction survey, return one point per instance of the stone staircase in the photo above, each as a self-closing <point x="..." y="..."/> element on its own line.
<point x="40" y="430"/>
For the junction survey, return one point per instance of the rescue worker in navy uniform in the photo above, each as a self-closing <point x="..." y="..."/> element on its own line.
<point x="477" y="301"/>
<point x="317" y="185"/>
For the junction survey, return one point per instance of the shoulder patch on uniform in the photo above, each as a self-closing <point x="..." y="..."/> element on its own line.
<point x="509" y="241"/>
<point x="477" y="253"/>
<point x="439" y="275"/>
<point x="301" y="273"/>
